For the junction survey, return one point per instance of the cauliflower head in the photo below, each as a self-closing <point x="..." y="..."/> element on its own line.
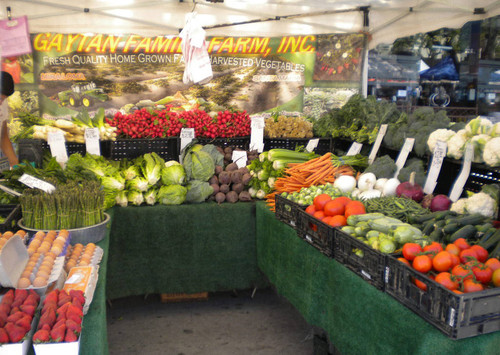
<point x="459" y="206"/>
<point x="441" y="134"/>
<point x="478" y="125"/>
<point x="491" y="152"/>
<point x="478" y="142"/>
<point x="456" y="144"/>
<point x="481" y="203"/>
<point x="495" y="130"/>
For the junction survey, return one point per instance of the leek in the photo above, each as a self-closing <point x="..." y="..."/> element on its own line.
<point x="292" y="156"/>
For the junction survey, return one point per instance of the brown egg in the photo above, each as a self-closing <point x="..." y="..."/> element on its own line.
<point x="83" y="262"/>
<point x="39" y="234"/>
<point x="31" y="263"/>
<point x="44" y="248"/>
<point x="64" y="233"/>
<point x="7" y="235"/>
<point x="26" y="274"/>
<point x="61" y="240"/>
<point x="39" y="281"/>
<point x="43" y="273"/>
<point x="2" y="242"/>
<point x="56" y="249"/>
<point x="21" y="232"/>
<point x="23" y="282"/>
<point x="70" y="264"/>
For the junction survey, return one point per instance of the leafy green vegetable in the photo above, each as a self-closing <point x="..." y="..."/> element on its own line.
<point x="172" y="194"/>
<point x="174" y="174"/>
<point x="382" y="167"/>
<point x="138" y="183"/>
<point x="135" y="198"/>
<point x="113" y="183"/>
<point x="151" y="167"/>
<point x="198" y="191"/>
<point x="121" y="198"/>
<point x="150" y="196"/>
<point x="416" y="165"/>
<point x="217" y="157"/>
<point x="199" y="165"/>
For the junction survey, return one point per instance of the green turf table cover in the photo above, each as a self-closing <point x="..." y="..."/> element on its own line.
<point x="182" y="249"/>
<point x="358" y="318"/>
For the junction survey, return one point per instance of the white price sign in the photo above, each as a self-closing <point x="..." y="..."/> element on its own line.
<point x="312" y="144"/>
<point x="57" y="145"/>
<point x="257" y="134"/>
<point x="458" y="186"/>
<point x="92" y="141"/>
<point x="355" y="148"/>
<point x="36" y="183"/>
<point x="403" y="154"/>
<point x="437" y="161"/>
<point x="240" y="158"/>
<point x="378" y="141"/>
<point x="187" y="135"/>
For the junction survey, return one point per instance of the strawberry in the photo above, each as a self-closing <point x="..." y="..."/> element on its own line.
<point x="4" y="338"/>
<point x="8" y="298"/>
<point x="77" y="302"/>
<point x="28" y="309"/>
<point x="14" y="310"/>
<point x="35" y="295"/>
<point x="74" y="326"/>
<point x="63" y="298"/>
<point x="45" y="327"/>
<point x="74" y="317"/>
<point x="63" y="309"/>
<point x="70" y="336"/>
<point x="15" y="332"/>
<point x="48" y="317"/>
<point x="77" y="294"/>
<point x="51" y="297"/>
<point x="72" y="309"/>
<point x="41" y="336"/>
<point x="15" y="317"/>
<point x="25" y="322"/>
<point x="20" y="294"/>
<point x="59" y="323"/>
<point x="58" y="334"/>
<point x="31" y="300"/>
<point x="4" y="308"/>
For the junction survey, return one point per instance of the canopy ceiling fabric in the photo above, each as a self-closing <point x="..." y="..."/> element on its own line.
<point x="387" y="19"/>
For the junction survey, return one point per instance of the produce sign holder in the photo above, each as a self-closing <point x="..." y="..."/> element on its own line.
<point x="315" y="232"/>
<point x="234" y="142"/>
<point x="370" y="266"/>
<point x="33" y="150"/>
<point x="456" y="315"/>
<point x="324" y="144"/>
<point x="287" y="211"/>
<point x="340" y="146"/>
<point x="166" y="148"/>
<point x="12" y="214"/>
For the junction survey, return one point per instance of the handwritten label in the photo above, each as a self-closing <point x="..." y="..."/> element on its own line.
<point x="378" y="141"/>
<point x="438" y="156"/>
<point x="92" y="141"/>
<point x="187" y="135"/>
<point x="403" y="154"/>
<point x="240" y="158"/>
<point x="312" y="144"/>
<point x="355" y="148"/>
<point x="57" y="145"/>
<point x="36" y="183"/>
<point x="257" y="134"/>
<point x="458" y="186"/>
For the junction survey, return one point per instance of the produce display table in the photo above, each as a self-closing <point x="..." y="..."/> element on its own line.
<point x="182" y="249"/>
<point x="358" y="318"/>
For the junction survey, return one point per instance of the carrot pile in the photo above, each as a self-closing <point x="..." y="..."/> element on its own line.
<point x="317" y="171"/>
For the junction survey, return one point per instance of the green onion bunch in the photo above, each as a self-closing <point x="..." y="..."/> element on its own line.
<point x="71" y="205"/>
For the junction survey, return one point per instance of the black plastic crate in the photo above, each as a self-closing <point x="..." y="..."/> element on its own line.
<point x="167" y="148"/>
<point x="234" y="142"/>
<point x="324" y="144"/>
<point x="287" y="210"/>
<point x="315" y="232"/>
<point x="360" y="258"/>
<point x="33" y="150"/>
<point x="456" y="315"/>
<point x="11" y="214"/>
<point x="340" y="146"/>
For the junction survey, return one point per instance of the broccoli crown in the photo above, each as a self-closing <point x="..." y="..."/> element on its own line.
<point x="382" y="167"/>
<point x="416" y="165"/>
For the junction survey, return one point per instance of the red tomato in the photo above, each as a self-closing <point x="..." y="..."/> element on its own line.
<point x="467" y="255"/>
<point x="410" y="250"/>
<point x="343" y="199"/>
<point x="420" y="284"/>
<point x="334" y="208"/>
<point x="493" y="263"/>
<point x="482" y="253"/>
<point x="321" y="200"/>
<point x="472" y="286"/>
<point x="326" y="219"/>
<point x="455" y="260"/>
<point x="319" y="215"/>
<point x="311" y="209"/>
<point x="354" y="207"/>
<point x="442" y="261"/>
<point x="482" y="273"/>
<point x="461" y="272"/>
<point x="422" y="263"/>
<point x="434" y="248"/>
<point x="496" y="278"/>
<point x="447" y="280"/>
<point x="404" y="261"/>
<point x="453" y="249"/>
<point x="337" y="221"/>
<point x="462" y="243"/>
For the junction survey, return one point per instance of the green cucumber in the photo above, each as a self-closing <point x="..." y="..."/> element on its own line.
<point x="491" y="241"/>
<point x="436" y="235"/>
<point x="496" y="252"/>
<point x="385" y="224"/>
<point x="451" y="228"/>
<point x="469" y="219"/>
<point x="428" y="227"/>
<point x="352" y="220"/>
<point x="466" y="232"/>
<point x="483" y="228"/>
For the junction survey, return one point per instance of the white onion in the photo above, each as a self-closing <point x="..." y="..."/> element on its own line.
<point x="345" y="183"/>
<point x="379" y="185"/>
<point x="390" y="187"/>
<point x="366" y="181"/>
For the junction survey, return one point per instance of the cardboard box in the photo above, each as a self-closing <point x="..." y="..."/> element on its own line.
<point x="58" y="348"/>
<point x="83" y="278"/>
<point x="13" y="259"/>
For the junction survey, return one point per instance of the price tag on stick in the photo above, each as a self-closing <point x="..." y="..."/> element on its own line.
<point x="257" y="134"/>
<point x="378" y="141"/>
<point x="312" y="144"/>
<point x="403" y="154"/>
<point x="187" y="135"/>
<point x="458" y="186"/>
<point x="57" y="145"/>
<point x="354" y="149"/>
<point x="437" y="161"/>
<point x="34" y="182"/>
<point x="240" y="158"/>
<point x="92" y="141"/>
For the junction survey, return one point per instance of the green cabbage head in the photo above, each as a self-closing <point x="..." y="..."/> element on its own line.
<point x="171" y="194"/>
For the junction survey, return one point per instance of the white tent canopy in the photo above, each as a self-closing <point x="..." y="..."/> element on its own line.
<point x="386" y="20"/>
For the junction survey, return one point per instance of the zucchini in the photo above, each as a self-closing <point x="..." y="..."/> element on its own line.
<point x="437" y="235"/>
<point x="451" y="228"/>
<point x="428" y="227"/>
<point x="440" y="224"/>
<point x="491" y="241"/>
<point x="465" y="232"/>
<point x="468" y="219"/>
<point x="356" y="218"/>
<point x="483" y="228"/>
<point x="385" y="224"/>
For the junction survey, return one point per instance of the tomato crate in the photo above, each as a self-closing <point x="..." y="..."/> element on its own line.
<point x="456" y="315"/>
<point x="324" y="144"/>
<point x="360" y="258"/>
<point x="315" y="232"/>
<point x="234" y="142"/>
<point x="33" y="150"/>
<point x="166" y="148"/>
<point x="287" y="210"/>
<point x="10" y="214"/>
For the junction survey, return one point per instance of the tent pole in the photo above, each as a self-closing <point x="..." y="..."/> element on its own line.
<point x="364" y="70"/>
